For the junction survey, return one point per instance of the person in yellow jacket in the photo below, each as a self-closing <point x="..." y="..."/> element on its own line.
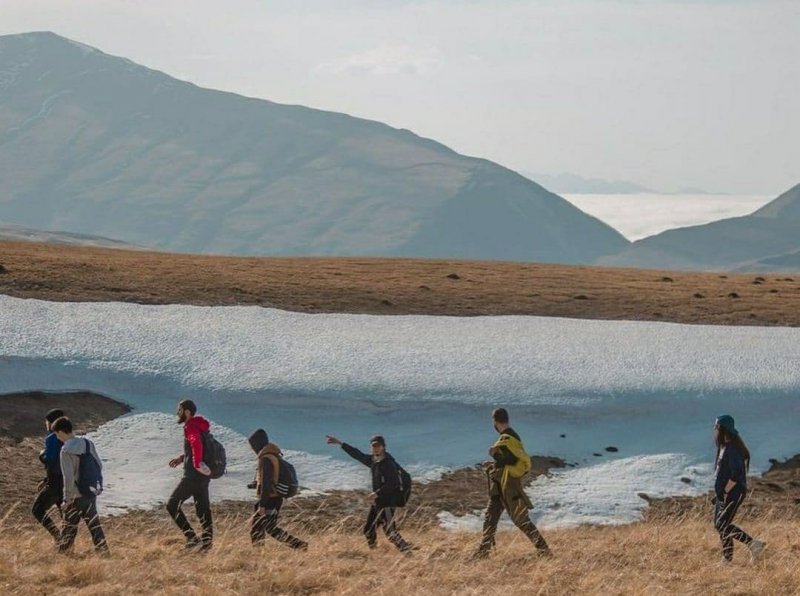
<point x="506" y="475"/>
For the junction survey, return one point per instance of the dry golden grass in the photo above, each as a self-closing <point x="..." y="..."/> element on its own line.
<point x="646" y="558"/>
<point x="397" y="286"/>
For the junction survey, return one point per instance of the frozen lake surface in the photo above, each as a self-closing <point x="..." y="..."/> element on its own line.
<point x="651" y="390"/>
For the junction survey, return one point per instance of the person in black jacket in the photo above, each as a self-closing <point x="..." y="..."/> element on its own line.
<point x="51" y="490"/>
<point x="730" y="488"/>
<point x="385" y="494"/>
<point x="265" y="517"/>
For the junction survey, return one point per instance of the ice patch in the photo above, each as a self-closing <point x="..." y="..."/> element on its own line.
<point x="607" y="493"/>
<point x="603" y="494"/>
<point x="135" y="451"/>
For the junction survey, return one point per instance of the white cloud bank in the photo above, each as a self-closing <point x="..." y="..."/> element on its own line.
<point x="387" y="60"/>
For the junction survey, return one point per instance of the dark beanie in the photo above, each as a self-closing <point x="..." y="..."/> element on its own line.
<point x="377" y="439"/>
<point x="258" y="440"/>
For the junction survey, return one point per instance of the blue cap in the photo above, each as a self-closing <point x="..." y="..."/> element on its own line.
<point x="725" y="421"/>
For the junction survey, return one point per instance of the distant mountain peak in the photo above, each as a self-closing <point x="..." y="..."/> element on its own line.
<point x="48" y="38"/>
<point x="786" y="205"/>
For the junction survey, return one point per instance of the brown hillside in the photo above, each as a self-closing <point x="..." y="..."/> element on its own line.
<point x="397" y="286"/>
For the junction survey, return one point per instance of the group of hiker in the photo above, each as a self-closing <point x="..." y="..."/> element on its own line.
<point x="74" y="480"/>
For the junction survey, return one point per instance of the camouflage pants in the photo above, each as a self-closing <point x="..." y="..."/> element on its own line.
<point x="515" y="502"/>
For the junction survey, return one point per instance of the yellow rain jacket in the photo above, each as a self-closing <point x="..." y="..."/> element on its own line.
<point x="523" y="465"/>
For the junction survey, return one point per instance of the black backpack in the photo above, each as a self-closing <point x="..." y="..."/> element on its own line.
<point x="90" y="476"/>
<point x="287" y="485"/>
<point x="214" y="455"/>
<point x="405" y="487"/>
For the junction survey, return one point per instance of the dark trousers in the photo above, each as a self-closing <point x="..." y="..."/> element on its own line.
<point x="383" y="517"/>
<point x="724" y="512"/>
<point x="261" y="525"/>
<point x="45" y="500"/>
<point x="83" y="508"/>
<point x="197" y="489"/>
<point x="518" y="512"/>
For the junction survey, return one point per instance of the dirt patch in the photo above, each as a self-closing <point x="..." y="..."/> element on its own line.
<point x="22" y="414"/>
<point x="398" y="286"/>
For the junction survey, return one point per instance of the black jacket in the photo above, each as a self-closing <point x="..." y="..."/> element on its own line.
<point x="730" y="466"/>
<point x="385" y="475"/>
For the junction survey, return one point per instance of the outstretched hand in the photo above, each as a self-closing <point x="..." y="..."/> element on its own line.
<point x="332" y="440"/>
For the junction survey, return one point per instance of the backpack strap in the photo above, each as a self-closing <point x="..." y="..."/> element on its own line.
<point x="276" y="472"/>
<point x="86" y="446"/>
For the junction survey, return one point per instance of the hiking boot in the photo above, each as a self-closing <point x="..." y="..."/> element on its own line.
<point x="480" y="555"/>
<point x="756" y="550"/>
<point x="725" y="562"/>
<point x="193" y="543"/>
<point x="53" y="531"/>
<point x="544" y="553"/>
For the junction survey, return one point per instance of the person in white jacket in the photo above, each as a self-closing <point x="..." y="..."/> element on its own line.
<point x="78" y="504"/>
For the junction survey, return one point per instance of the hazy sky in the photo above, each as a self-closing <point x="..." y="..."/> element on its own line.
<point x="669" y="94"/>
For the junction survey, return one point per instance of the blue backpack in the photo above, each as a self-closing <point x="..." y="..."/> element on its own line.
<point x="90" y="476"/>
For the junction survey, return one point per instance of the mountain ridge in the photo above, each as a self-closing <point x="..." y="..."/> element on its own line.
<point x="196" y="170"/>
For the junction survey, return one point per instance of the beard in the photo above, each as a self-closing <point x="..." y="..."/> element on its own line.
<point x="181" y="418"/>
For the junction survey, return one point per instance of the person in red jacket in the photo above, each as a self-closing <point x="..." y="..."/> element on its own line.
<point x="196" y="478"/>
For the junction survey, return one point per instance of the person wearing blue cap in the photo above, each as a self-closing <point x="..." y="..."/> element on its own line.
<point x="730" y="487"/>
